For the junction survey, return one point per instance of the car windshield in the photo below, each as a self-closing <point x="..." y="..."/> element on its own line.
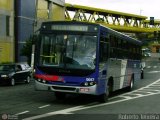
<point x="6" y="67"/>
<point x="69" y="51"/>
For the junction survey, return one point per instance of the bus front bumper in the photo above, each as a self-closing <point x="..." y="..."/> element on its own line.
<point x="67" y="89"/>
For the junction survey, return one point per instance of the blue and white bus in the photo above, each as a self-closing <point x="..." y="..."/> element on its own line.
<point x="85" y="58"/>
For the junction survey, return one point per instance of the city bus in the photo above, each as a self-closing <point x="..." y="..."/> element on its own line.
<point x="85" y="58"/>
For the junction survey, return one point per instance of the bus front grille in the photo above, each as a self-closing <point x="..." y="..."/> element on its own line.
<point x="64" y="88"/>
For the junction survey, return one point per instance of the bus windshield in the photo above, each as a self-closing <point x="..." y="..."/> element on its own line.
<point x="68" y="51"/>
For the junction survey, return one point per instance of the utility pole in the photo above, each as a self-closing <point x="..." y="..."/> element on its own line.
<point x="33" y="44"/>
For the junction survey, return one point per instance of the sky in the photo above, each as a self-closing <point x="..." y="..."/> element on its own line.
<point x="148" y="8"/>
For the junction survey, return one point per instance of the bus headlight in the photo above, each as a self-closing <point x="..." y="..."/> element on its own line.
<point x="91" y="83"/>
<point x="41" y="80"/>
<point x="86" y="84"/>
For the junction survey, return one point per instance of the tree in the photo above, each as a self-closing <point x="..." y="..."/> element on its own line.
<point x="27" y="48"/>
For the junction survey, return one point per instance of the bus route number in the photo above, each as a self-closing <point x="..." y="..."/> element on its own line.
<point x="89" y="79"/>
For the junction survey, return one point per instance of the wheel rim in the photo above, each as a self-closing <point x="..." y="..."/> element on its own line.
<point x="12" y="82"/>
<point x="28" y="79"/>
<point x="131" y="85"/>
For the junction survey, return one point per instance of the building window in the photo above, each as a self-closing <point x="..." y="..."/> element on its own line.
<point x="5" y="25"/>
<point x="0" y="53"/>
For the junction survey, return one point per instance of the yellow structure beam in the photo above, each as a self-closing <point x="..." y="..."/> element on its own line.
<point x="120" y="21"/>
<point x="156" y="24"/>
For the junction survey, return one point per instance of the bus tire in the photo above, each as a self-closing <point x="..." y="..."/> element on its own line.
<point x="60" y="95"/>
<point x="103" y="97"/>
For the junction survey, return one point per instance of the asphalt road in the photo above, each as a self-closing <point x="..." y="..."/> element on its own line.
<point x="22" y="101"/>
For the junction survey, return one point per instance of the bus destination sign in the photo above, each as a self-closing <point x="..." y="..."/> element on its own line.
<point x="69" y="27"/>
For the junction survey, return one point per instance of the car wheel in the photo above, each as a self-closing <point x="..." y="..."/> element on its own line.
<point x="28" y="79"/>
<point x="12" y="82"/>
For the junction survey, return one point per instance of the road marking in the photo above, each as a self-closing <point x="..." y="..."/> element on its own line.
<point x="145" y="92"/>
<point x="65" y="111"/>
<point x="77" y="108"/>
<point x="155" y="66"/>
<point x="153" y="71"/>
<point x="148" y="66"/>
<point x="156" y="85"/>
<point x="126" y="97"/>
<point x="137" y="94"/>
<point x="22" y="113"/>
<point x="44" y="106"/>
<point x="69" y="110"/>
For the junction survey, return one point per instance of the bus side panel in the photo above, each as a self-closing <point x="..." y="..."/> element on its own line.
<point x="123" y="71"/>
<point x="117" y="70"/>
<point x="137" y="70"/>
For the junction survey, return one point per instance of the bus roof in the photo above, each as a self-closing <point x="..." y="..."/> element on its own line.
<point x="123" y="36"/>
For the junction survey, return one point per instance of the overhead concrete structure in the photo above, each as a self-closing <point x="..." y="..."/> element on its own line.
<point x="120" y="21"/>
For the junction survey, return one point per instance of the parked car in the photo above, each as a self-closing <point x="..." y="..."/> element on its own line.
<point x="14" y="73"/>
<point x="25" y="66"/>
<point x="146" y="52"/>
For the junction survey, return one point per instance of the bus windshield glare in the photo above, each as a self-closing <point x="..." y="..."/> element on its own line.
<point x="68" y="51"/>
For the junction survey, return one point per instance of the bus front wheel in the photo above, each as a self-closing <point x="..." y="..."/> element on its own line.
<point x="104" y="97"/>
<point x="60" y="95"/>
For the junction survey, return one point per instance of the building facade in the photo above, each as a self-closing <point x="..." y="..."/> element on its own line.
<point x="19" y="19"/>
<point x="6" y="31"/>
<point x="155" y="48"/>
<point x="24" y="19"/>
<point x="29" y="19"/>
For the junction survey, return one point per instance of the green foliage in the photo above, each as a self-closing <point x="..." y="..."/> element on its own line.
<point x="7" y="63"/>
<point x="27" y="48"/>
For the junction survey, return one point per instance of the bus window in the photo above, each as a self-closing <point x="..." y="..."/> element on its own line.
<point x="74" y="51"/>
<point x="104" y="49"/>
<point x="119" y="43"/>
